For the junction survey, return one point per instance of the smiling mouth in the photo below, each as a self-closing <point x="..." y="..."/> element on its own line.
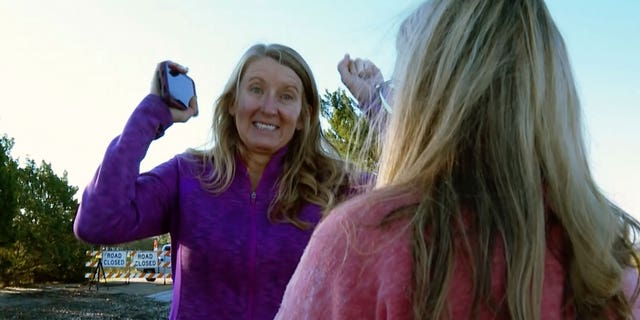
<point x="265" y="126"/>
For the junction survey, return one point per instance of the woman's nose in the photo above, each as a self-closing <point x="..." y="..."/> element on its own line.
<point x="270" y="104"/>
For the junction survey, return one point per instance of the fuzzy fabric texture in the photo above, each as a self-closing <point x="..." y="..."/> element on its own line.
<point x="355" y="269"/>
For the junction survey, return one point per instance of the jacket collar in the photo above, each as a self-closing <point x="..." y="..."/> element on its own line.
<point x="272" y="171"/>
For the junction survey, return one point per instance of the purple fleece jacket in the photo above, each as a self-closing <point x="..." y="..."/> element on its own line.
<point x="229" y="261"/>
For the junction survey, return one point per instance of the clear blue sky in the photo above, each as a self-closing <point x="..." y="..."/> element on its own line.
<point x="74" y="70"/>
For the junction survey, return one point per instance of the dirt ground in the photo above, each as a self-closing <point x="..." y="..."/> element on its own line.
<point x="114" y="300"/>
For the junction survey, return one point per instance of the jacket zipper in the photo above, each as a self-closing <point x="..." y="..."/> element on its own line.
<point x="252" y="254"/>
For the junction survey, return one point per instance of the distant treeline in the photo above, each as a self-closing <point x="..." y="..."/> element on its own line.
<point x="37" y="208"/>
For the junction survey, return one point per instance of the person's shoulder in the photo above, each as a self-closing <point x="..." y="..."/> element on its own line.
<point x="190" y="161"/>
<point x="364" y="216"/>
<point x="365" y="242"/>
<point x="195" y="157"/>
<point x="190" y="155"/>
<point x="373" y="205"/>
<point x="348" y="212"/>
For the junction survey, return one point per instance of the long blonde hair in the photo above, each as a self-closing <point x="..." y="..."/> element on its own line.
<point x="487" y="121"/>
<point x="312" y="172"/>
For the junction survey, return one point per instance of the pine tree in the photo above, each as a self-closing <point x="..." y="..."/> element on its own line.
<point x="349" y="129"/>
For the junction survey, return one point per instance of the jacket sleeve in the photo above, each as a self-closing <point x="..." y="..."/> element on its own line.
<point x="119" y="204"/>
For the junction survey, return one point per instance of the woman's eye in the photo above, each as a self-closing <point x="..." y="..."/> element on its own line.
<point x="255" y="89"/>
<point x="287" y="97"/>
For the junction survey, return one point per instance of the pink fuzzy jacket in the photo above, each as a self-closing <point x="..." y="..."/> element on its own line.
<point x="353" y="269"/>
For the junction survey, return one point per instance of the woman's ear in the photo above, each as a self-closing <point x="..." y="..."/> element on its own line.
<point x="232" y="110"/>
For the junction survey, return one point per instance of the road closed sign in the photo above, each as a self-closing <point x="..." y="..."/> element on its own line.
<point x="114" y="259"/>
<point x="145" y="259"/>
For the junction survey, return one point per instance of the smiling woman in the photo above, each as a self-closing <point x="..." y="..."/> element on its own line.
<point x="267" y="113"/>
<point x="240" y="213"/>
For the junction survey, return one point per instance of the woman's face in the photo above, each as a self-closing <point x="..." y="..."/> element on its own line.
<point x="267" y="112"/>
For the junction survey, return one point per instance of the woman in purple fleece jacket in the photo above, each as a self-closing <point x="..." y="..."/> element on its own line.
<point x="240" y="213"/>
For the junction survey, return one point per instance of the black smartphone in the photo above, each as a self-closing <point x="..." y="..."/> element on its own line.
<point x="176" y="88"/>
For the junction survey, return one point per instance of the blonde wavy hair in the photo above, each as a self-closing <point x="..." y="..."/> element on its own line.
<point x="312" y="173"/>
<point x="487" y="128"/>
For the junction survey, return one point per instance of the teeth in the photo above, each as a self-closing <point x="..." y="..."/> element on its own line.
<point x="265" y="126"/>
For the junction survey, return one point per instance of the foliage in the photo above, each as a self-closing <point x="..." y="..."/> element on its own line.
<point x="349" y="130"/>
<point x="147" y="244"/>
<point x="8" y="192"/>
<point x="163" y="239"/>
<point x="43" y="247"/>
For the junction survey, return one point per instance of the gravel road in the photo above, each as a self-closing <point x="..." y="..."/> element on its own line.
<point x="115" y="300"/>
